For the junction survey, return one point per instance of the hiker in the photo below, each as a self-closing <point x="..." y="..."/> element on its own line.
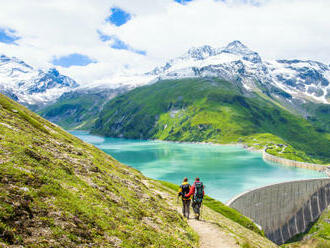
<point x="183" y="190"/>
<point x="197" y="190"/>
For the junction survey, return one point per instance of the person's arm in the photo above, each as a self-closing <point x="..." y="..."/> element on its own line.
<point x="191" y="191"/>
<point x="180" y="191"/>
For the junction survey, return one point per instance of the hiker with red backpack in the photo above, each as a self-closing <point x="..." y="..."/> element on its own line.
<point x="183" y="190"/>
<point x="197" y="190"/>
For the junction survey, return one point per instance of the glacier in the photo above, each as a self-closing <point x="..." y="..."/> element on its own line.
<point x="31" y="86"/>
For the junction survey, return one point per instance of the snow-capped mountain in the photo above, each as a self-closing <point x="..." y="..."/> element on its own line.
<point x="31" y="86"/>
<point x="292" y="79"/>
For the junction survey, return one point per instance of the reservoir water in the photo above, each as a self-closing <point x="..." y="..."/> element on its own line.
<point x="225" y="170"/>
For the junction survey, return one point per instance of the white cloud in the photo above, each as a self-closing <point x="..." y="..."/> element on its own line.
<point x="277" y="28"/>
<point x="164" y="28"/>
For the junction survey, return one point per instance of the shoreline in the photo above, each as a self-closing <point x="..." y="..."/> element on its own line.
<point x="265" y="156"/>
<point x="293" y="163"/>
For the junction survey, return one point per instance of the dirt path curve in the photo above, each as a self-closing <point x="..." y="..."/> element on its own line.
<point x="210" y="235"/>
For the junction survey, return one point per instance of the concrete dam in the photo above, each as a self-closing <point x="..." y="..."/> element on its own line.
<point x="285" y="209"/>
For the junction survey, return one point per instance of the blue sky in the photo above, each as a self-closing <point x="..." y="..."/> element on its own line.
<point x="73" y="59"/>
<point x="118" y="44"/>
<point x="8" y="36"/>
<point x="121" y="45"/>
<point x="118" y="16"/>
<point x="182" y="1"/>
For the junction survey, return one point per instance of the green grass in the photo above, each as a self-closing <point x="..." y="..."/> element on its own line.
<point x="319" y="116"/>
<point x="221" y="208"/>
<point x="58" y="191"/>
<point x="23" y="113"/>
<point x="76" y="110"/>
<point x="211" y="110"/>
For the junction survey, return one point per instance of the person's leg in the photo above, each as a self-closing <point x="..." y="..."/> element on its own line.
<point x="195" y="208"/>
<point x="188" y="209"/>
<point x="193" y="205"/>
<point x="183" y="208"/>
<point x="198" y="209"/>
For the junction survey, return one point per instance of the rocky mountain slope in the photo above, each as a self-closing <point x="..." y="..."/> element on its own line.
<point x="288" y="80"/>
<point x="31" y="86"/>
<point x="212" y="110"/>
<point x="80" y="108"/>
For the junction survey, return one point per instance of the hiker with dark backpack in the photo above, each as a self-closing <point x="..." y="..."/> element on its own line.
<point x="197" y="190"/>
<point x="183" y="190"/>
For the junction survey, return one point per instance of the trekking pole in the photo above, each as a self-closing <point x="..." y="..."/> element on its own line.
<point x="200" y="216"/>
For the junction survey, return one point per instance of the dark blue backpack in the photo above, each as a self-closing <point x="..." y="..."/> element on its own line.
<point x="199" y="188"/>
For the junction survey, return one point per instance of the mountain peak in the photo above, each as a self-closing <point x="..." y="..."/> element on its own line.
<point x="27" y="85"/>
<point x="201" y="52"/>
<point x="237" y="45"/>
<point x="5" y="59"/>
<point x="54" y="72"/>
<point x="238" y="48"/>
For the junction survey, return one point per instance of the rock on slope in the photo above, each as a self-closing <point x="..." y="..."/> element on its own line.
<point x="30" y="86"/>
<point x="57" y="191"/>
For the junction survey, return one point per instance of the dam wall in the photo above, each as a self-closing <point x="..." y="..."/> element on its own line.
<point x="285" y="209"/>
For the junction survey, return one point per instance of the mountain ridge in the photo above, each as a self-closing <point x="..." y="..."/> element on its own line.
<point x="31" y="86"/>
<point x="301" y="80"/>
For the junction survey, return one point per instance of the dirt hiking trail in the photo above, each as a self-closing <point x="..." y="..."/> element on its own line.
<point x="214" y="230"/>
<point x="210" y="235"/>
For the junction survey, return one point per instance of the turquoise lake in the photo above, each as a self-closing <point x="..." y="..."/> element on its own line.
<point x="225" y="170"/>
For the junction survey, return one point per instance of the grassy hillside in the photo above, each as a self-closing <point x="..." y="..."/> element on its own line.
<point x="212" y="110"/>
<point x="78" y="109"/>
<point x="319" y="116"/>
<point x="57" y="191"/>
